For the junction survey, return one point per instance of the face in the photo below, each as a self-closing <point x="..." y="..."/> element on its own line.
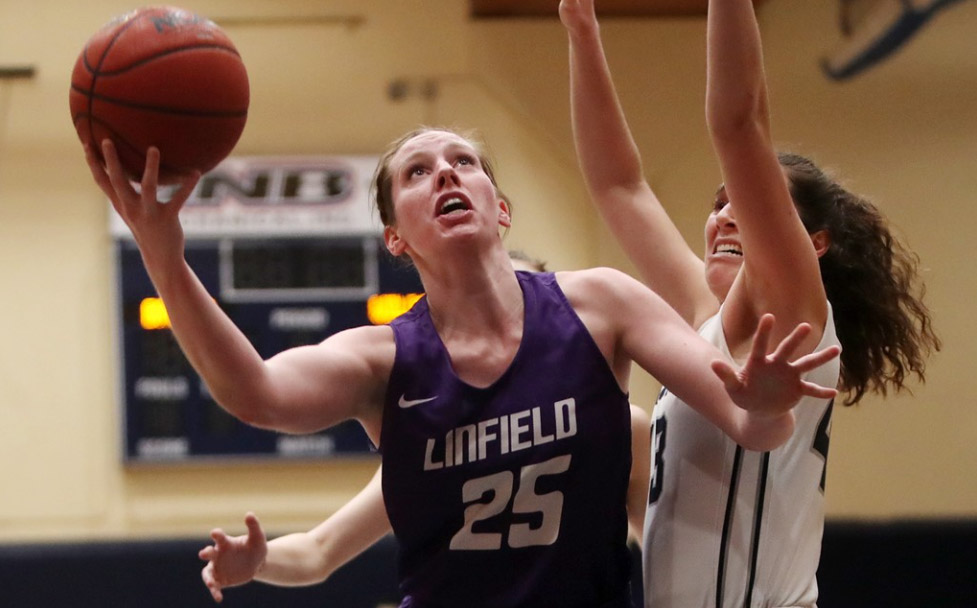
<point x="724" y="253"/>
<point x="440" y="192"/>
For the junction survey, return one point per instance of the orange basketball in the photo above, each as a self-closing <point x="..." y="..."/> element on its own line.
<point x="164" y="77"/>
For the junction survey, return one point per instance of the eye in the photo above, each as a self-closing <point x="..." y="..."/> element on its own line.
<point x="465" y="159"/>
<point x="719" y="203"/>
<point x="415" y="170"/>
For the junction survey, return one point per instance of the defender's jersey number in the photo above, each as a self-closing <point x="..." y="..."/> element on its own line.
<point x="658" y="466"/>
<point x="500" y="486"/>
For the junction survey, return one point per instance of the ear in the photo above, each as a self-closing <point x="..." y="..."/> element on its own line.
<point x="505" y="219"/>
<point x="395" y="245"/>
<point x="821" y="240"/>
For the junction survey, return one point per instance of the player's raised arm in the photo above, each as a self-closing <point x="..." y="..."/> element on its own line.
<point x="780" y="264"/>
<point x="300" y="390"/>
<point x="612" y="170"/>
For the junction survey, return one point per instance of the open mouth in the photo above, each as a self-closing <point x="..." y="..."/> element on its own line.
<point x="728" y="249"/>
<point x="452" y="204"/>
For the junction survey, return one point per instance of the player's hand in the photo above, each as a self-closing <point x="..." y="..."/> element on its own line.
<point x="578" y="15"/>
<point x="233" y="560"/>
<point x="154" y="223"/>
<point x="770" y="384"/>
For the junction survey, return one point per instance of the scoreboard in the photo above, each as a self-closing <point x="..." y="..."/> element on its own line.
<point x="290" y="250"/>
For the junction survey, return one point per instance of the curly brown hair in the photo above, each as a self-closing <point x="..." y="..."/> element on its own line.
<point x="872" y="281"/>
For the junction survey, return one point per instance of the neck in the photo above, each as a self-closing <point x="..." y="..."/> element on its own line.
<point x="474" y="296"/>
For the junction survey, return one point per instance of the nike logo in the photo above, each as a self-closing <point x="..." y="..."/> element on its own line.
<point x="406" y="403"/>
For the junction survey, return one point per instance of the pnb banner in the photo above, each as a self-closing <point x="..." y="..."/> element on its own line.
<point x="275" y="196"/>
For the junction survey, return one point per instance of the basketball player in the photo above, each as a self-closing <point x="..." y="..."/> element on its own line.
<point x="498" y="402"/>
<point x="728" y="525"/>
<point x="308" y="558"/>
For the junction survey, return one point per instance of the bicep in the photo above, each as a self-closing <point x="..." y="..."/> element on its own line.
<point x="343" y="377"/>
<point x="781" y="270"/>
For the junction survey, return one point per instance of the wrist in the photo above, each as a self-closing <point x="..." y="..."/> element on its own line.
<point x="763" y="432"/>
<point x="585" y="32"/>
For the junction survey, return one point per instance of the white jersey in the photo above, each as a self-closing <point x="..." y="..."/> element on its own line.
<point x="728" y="527"/>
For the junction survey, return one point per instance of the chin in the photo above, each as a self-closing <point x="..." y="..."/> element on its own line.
<point x="720" y="279"/>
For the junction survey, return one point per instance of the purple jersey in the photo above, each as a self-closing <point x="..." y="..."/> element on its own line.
<point x="512" y="495"/>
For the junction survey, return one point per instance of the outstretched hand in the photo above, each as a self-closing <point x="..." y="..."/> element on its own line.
<point x="769" y="385"/>
<point x="154" y="223"/>
<point x="233" y="560"/>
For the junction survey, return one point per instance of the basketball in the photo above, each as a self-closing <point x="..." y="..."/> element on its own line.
<point x="164" y="77"/>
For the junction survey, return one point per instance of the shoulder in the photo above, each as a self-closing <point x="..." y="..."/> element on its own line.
<point x="372" y="345"/>
<point x="591" y="281"/>
<point x="605" y="289"/>
<point x="369" y="336"/>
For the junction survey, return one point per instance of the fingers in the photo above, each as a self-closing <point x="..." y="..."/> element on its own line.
<point x="117" y="176"/>
<point x="207" y="575"/>
<point x="789" y="345"/>
<point x="254" y="526"/>
<point x="815" y="390"/>
<point x="576" y="12"/>
<point x="222" y="541"/>
<point x="816" y="359"/>
<point x="150" y="175"/>
<point x="761" y="338"/>
<point x="186" y="189"/>
<point x="726" y="373"/>
<point x="98" y="171"/>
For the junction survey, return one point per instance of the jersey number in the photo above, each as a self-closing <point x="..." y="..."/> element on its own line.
<point x="658" y="472"/>
<point x="500" y="486"/>
<point x="822" y="437"/>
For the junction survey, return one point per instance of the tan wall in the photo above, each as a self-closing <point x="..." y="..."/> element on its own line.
<point x="905" y="134"/>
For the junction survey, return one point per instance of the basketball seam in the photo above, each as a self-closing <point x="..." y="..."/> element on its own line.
<point x="122" y="142"/>
<point x="156" y="56"/>
<point x="94" y="71"/>
<point x="165" y="109"/>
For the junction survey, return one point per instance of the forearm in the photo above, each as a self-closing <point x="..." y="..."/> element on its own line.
<point x="311" y="557"/>
<point x="705" y="392"/>
<point x="607" y="153"/>
<point x="686" y="363"/>
<point x="736" y="96"/>
<point x="780" y="271"/>
<point x="612" y="169"/>
<point x="295" y="560"/>
<point x="219" y="352"/>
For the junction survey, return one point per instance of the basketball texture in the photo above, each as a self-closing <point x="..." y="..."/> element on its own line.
<point x="164" y="77"/>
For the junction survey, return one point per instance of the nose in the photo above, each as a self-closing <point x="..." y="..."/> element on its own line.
<point x="725" y="216"/>
<point x="446" y="175"/>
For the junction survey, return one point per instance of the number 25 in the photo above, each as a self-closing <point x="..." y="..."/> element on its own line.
<point x="500" y="485"/>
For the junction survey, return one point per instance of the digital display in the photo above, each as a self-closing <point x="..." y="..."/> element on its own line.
<point x="281" y="293"/>
<point x="299" y="264"/>
<point x="333" y="269"/>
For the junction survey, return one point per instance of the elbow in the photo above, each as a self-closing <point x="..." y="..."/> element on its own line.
<point x="736" y="119"/>
<point x="251" y="410"/>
